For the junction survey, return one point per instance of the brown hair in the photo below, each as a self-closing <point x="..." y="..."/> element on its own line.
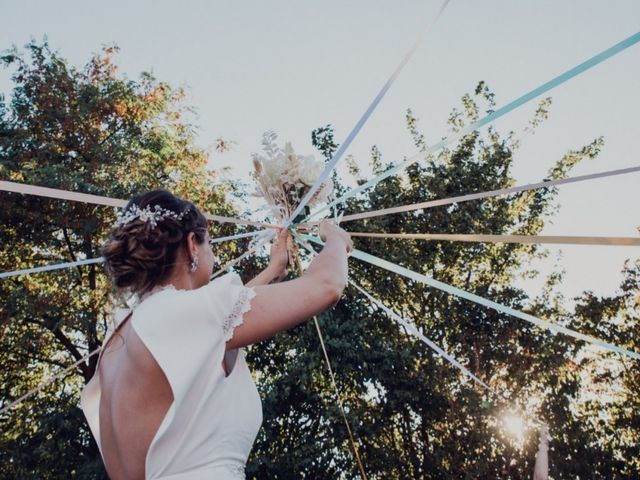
<point x="138" y="254"/>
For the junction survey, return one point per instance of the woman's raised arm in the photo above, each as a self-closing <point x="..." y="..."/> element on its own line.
<point x="276" y="271"/>
<point x="281" y="306"/>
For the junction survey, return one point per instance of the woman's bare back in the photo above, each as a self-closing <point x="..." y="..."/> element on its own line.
<point x="135" y="398"/>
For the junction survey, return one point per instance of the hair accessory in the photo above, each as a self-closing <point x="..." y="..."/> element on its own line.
<point x="147" y="214"/>
<point x="194" y="264"/>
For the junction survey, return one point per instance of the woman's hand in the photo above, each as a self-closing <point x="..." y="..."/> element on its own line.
<point x="279" y="261"/>
<point x="330" y="230"/>
<point x="279" y="307"/>
<point x="276" y="271"/>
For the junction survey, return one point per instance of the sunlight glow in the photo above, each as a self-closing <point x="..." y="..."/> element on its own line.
<point x="515" y="425"/>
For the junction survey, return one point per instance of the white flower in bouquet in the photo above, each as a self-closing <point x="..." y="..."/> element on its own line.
<point x="283" y="177"/>
<point x="311" y="170"/>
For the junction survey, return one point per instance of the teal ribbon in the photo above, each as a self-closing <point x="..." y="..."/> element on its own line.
<point x="544" y="324"/>
<point x="414" y="330"/>
<point x="536" y="92"/>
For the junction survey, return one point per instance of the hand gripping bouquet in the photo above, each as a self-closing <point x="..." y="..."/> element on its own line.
<point x="283" y="178"/>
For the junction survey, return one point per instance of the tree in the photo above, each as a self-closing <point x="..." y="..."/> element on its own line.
<point x="609" y="403"/>
<point x="413" y="413"/>
<point x="90" y="130"/>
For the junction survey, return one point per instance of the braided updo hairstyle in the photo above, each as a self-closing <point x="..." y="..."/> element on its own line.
<point x="141" y="254"/>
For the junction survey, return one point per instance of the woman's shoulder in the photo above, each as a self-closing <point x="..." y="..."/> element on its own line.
<point x="228" y="300"/>
<point x="180" y="331"/>
<point x="168" y="312"/>
<point x="211" y="310"/>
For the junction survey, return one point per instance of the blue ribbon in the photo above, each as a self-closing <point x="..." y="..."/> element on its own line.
<point x="418" y="277"/>
<point x="48" y="268"/>
<point x="536" y="92"/>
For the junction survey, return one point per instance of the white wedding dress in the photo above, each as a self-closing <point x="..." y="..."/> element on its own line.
<point x="210" y="427"/>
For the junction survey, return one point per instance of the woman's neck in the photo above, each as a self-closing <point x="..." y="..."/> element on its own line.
<point x="181" y="281"/>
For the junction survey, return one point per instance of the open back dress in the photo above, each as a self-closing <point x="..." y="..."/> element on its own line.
<point x="210" y="426"/>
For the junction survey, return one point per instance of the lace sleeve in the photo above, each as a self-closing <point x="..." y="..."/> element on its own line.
<point x="236" y="316"/>
<point x="228" y="301"/>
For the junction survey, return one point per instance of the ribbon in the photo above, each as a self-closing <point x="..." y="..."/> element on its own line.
<point x="354" y="132"/>
<point x="99" y="200"/>
<point x="412" y="329"/>
<point x="541" y="239"/>
<point x="64" y="372"/>
<point x="252" y="249"/>
<point x="544" y="324"/>
<point x="536" y="92"/>
<point x="408" y="325"/>
<point x="236" y="237"/>
<point x="47" y="268"/>
<point x="480" y="195"/>
<point x="49" y="381"/>
<point x="58" y="266"/>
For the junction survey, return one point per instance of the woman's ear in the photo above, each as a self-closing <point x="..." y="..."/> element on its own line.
<point x="192" y="246"/>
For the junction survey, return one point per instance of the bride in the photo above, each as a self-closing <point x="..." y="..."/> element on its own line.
<point x="172" y="397"/>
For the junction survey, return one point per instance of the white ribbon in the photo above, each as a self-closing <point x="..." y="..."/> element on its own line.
<point x="237" y="236"/>
<point x="354" y="132"/>
<point x="480" y="195"/>
<point x="260" y="241"/>
<point x="64" y="372"/>
<point x="47" y="268"/>
<point x="539" y="322"/>
<point x="268" y="234"/>
<point x="49" y="381"/>
<point x="538" y="239"/>
<point x="413" y="330"/>
<point x="99" y="200"/>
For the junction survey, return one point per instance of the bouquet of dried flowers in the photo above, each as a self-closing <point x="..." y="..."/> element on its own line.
<point x="283" y="178"/>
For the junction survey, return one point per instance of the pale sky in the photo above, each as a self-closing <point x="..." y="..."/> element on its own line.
<point x="292" y="66"/>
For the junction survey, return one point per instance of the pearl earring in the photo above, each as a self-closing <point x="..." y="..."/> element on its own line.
<point x="194" y="264"/>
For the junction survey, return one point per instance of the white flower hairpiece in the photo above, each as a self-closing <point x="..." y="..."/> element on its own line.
<point x="147" y="214"/>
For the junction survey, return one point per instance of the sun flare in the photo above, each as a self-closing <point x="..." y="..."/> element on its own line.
<point x="515" y="425"/>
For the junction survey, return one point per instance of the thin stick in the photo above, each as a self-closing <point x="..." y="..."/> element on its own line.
<point x="335" y="387"/>
<point x="47" y="382"/>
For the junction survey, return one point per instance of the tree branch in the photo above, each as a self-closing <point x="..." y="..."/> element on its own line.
<point x="71" y="348"/>
<point x="68" y="345"/>
<point x="73" y="255"/>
